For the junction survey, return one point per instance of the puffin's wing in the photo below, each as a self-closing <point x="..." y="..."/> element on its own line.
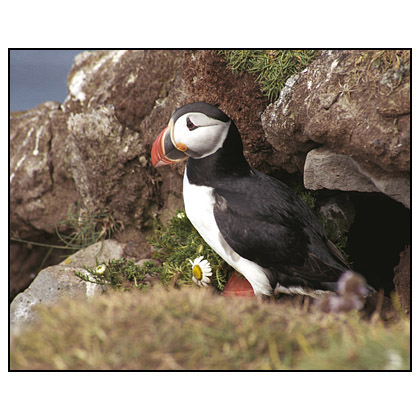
<point x="266" y="223"/>
<point x="267" y="240"/>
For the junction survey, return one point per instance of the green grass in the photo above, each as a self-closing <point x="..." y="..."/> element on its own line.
<point x="272" y="68"/>
<point x="193" y="329"/>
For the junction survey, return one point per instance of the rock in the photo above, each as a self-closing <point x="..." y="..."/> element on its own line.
<point x="41" y="184"/>
<point x="338" y="208"/>
<point x="49" y="286"/>
<point x="402" y="279"/>
<point x="103" y="251"/>
<point x="326" y="169"/>
<point x="356" y="104"/>
<point x="25" y="262"/>
<point x="93" y="152"/>
<point x="207" y="78"/>
<point x="118" y="102"/>
<point x="58" y="281"/>
<point x="41" y="189"/>
<point x="334" y="171"/>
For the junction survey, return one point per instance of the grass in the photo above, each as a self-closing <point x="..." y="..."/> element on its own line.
<point x="271" y="67"/>
<point x="193" y="329"/>
<point x="86" y="228"/>
<point x="383" y="68"/>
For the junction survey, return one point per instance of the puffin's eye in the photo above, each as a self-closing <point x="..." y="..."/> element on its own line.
<point x="191" y="126"/>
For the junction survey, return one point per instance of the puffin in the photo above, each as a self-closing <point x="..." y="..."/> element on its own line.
<point x="252" y="220"/>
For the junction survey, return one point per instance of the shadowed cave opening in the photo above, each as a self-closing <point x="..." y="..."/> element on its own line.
<point x="380" y="231"/>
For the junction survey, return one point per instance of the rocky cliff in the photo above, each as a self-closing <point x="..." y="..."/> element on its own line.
<point x="342" y="126"/>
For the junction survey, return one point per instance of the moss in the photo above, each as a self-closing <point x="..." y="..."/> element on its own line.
<point x="271" y="67"/>
<point x="194" y="329"/>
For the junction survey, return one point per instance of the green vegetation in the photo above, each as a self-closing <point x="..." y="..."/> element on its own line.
<point x="192" y="328"/>
<point x="271" y="67"/>
<point x="86" y="229"/>
<point x="174" y="245"/>
<point x="121" y="274"/>
<point x="178" y="243"/>
<point x="388" y="66"/>
<point x="337" y="232"/>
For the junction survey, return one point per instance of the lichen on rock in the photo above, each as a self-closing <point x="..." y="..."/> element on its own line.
<point x="353" y="103"/>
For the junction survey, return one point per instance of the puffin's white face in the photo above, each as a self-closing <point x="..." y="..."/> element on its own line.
<point x="195" y="130"/>
<point x="199" y="135"/>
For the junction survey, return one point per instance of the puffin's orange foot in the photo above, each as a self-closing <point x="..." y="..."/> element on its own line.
<point x="238" y="285"/>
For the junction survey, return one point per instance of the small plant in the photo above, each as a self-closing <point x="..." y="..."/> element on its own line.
<point x="120" y="274"/>
<point x="386" y="66"/>
<point x="336" y="231"/>
<point x="176" y="245"/>
<point x="87" y="229"/>
<point x="272" y="67"/>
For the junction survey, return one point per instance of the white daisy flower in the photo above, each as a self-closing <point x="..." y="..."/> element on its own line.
<point x="100" y="269"/>
<point x="201" y="271"/>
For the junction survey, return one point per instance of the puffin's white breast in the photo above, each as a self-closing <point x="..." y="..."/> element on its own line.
<point x="199" y="203"/>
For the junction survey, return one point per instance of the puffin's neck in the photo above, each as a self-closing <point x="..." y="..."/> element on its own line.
<point x="227" y="162"/>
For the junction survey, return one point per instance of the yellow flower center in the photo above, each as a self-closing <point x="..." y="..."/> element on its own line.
<point x="197" y="272"/>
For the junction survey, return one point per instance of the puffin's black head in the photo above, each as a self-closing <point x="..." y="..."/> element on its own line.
<point x="195" y="130"/>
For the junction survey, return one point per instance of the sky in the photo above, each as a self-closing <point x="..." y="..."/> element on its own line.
<point x="37" y="76"/>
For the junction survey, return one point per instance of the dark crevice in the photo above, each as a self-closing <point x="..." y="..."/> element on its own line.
<point x="380" y="231"/>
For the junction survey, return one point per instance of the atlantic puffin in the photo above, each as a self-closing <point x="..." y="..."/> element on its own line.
<point x="252" y="220"/>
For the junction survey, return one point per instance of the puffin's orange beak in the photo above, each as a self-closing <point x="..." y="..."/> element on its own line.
<point x="164" y="151"/>
<point x="158" y="150"/>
